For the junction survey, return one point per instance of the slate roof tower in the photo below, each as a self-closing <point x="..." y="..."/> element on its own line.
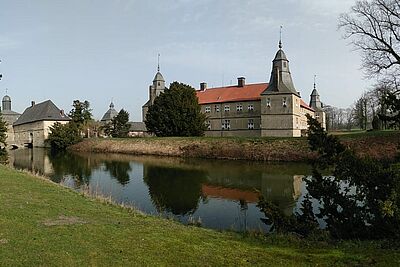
<point x="155" y="90"/>
<point x="280" y="102"/>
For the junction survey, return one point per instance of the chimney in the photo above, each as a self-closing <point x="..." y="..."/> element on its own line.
<point x="62" y="113"/>
<point x="32" y="103"/>
<point x="203" y="86"/>
<point x="241" y="81"/>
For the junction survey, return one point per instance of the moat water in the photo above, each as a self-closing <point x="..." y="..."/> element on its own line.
<point x="219" y="194"/>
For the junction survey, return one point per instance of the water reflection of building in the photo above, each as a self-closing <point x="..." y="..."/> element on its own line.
<point x="34" y="160"/>
<point x="172" y="187"/>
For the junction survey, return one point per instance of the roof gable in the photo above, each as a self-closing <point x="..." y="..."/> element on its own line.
<point x="45" y="111"/>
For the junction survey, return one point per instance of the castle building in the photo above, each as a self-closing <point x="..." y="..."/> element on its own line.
<point x="263" y="109"/>
<point x="9" y="117"/>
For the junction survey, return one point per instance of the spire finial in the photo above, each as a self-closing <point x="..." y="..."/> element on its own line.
<point x="158" y="66"/>
<point x="280" y="37"/>
<point x="315" y="81"/>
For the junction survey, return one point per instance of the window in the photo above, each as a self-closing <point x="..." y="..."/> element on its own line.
<point x="216" y="108"/>
<point x="239" y="107"/>
<point x="297" y="102"/>
<point x="208" y="109"/>
<point x="297" y="122"/>
<point x="226" y="125"/>
<point x="208" y="125"/>
<point x="317" y="116"/>
<point x="284" y="104"/>
<point x="227" y="108"/>
<point x="250" y="107"/>
<point x="159" y="84"/>
<point x="269" y="102"/>
<point x="250" y="124"/>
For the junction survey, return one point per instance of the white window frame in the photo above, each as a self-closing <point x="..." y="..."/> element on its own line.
<point x="250" y="124"/>
<point x="216" y="108"/>
<point x="226" y="125"/>
<point x="239" y="107"/>
<point x="250" y="107"/>
<point x="208" y="109"/>
<point x="227" y="108"/>
<point x="208" y="125"/>
<point x="284" y="102"/>
<point x="269" y="102"/>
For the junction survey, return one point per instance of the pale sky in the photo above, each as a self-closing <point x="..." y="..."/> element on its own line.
<point x="98" y="50"/>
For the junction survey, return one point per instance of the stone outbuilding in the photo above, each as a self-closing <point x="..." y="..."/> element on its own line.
<point x="33" y="127"/>
<point x="137" y="129"/>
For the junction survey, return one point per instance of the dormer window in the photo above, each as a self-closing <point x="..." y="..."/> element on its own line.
<point x="269" y="102"/>
<point x="284" y="104"/>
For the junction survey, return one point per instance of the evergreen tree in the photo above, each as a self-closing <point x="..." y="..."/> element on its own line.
<point x="392" y="101"/>
<point x="176" y="112"/>
<point x="3" y="132"/>
<point x="3" y="138"/>
<point x="119" y="126"/>
<point x="63" y="135"/>
<point x="81" y="112"/>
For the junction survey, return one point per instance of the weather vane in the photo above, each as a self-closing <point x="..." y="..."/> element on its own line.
<point x="158" y="66"/>
<point x="280" y="37"/>
<point x="315" y="81"/>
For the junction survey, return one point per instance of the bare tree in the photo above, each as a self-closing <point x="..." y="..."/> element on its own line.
<point x="374" y="28"/>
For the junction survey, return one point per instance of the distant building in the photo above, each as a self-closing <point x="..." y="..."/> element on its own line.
<point x="10" y="117"/>
<point x="110" y="114"/>
<point x="137" y="129"/>
<point x="33" y="126"/>
<point x="263" y="109"/>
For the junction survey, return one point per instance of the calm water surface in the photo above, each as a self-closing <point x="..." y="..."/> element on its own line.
<point x="222" y="194"/>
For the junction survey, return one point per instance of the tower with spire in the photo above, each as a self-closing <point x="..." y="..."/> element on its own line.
<point x="155" y="90"/>
<point x="280" y="102"/>
<point x="316" y="104"/>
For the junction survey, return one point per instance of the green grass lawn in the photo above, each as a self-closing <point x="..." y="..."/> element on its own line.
<point x="44" y="224"/>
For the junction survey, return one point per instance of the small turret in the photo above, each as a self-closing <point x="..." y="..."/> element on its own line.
<point x="315" y="101"/>
<point x="6" y="103"/>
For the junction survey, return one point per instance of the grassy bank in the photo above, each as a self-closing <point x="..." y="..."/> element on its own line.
<point x="44" y="224"/>
<point x="379" y="145"/>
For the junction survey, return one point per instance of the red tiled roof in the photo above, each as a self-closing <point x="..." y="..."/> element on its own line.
<point x="232" y="93"/>
<point x="230" y="193"/>
<point x="304" y="105"/>
<point x="249" y="92"/>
